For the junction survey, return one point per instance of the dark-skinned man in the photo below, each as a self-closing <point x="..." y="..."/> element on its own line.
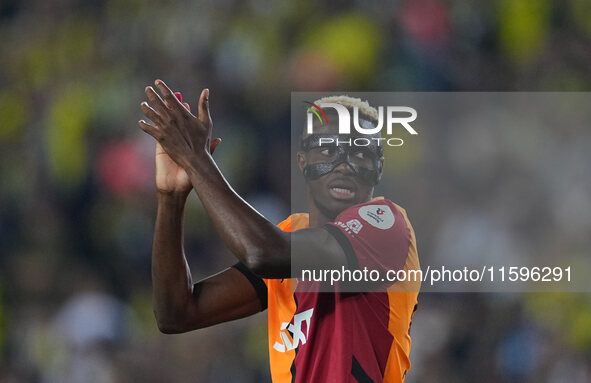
<point x="313" y="336"/>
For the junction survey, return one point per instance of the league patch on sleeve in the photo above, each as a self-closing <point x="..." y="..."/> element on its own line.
<point x="355" y="225"/>
<point x="379" y="216"/>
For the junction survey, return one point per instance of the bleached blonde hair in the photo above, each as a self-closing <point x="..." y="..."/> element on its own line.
<point x="365" y="110"/>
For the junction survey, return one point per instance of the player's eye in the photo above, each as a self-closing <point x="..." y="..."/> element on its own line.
<point x="360" y="155"/>
<point x="328" y="151"/>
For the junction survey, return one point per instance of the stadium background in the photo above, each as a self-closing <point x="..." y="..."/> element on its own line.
<point x="77" y="201"/>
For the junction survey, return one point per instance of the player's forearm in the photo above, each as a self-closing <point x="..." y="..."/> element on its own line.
<point x="255" y="241"/>
<point x="171" y="277"/>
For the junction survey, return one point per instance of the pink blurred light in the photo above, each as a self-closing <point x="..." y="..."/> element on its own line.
<point x="425" y="20"/>
<point x="122" y="169"/>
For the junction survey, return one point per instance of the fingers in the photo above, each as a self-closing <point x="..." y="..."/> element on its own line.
<point x="171" y="100"/>
<point x="150" y="129"/>
<point x="161" y="111"/>
<point x="166" y="110"/>
<point x="203" y="106"/>
<point x="168" y="101"/>
<point x="155" y="100"/>
<point x="214" y="144"/>
<point x="149" y="112"/>
<point x="179" y="96"/>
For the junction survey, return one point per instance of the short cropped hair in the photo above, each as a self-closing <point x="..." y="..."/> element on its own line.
<point x="365" y="110"/>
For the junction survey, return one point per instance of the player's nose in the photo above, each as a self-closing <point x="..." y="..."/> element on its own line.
<point x="344" y="168"/>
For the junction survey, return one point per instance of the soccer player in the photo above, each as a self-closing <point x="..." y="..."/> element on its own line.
<point x="313" y="336"/>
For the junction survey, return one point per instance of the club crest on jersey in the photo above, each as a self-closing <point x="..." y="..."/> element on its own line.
<point x="379" y="216"/>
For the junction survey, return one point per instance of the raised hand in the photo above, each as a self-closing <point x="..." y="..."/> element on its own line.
<point x="182" y="135"/>
<point x="173" y="126"/>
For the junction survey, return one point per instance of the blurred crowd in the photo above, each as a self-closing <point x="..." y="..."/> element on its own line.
<point x="77" y="196"/>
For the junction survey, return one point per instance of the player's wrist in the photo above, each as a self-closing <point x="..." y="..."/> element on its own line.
<point x="199" y="163"/>
<point x="174" y="197"/>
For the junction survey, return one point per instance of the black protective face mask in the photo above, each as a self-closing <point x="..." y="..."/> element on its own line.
<point x="363" y="160"/>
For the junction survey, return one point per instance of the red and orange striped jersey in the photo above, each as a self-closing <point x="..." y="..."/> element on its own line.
<point x="348" y="337"/>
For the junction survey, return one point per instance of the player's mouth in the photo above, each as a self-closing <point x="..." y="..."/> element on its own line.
<point x="342" y="192"/>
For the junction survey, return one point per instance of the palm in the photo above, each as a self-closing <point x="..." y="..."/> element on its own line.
<point x="170" y="177"/>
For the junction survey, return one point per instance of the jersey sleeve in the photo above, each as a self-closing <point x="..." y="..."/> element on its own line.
<point x="374" y="235"/>
<point x="256" y="282"/>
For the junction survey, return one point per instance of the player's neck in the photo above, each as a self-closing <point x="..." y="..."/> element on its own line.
<point x="316" y="216"/>
<point x="317" y="219"/>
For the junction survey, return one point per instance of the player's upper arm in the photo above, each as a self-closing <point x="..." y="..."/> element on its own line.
<point x="231" y="294"/>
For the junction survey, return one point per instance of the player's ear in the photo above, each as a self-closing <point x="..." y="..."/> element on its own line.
<point x="302" y="161"/>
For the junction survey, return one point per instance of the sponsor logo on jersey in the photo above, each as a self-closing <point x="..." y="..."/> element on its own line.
<point x="292" y="334"/>
<point x="346" y="228"/>
<point x="379" y="216"/>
